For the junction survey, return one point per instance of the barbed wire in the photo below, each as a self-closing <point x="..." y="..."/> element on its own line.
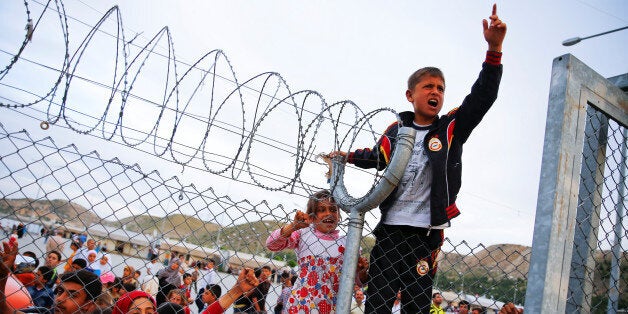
<point x="272" y="96"/>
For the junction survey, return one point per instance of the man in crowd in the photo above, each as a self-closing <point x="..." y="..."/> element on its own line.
<point x="437" y="300"/>
<point x="53" y="259"/>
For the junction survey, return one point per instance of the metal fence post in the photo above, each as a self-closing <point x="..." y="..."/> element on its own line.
<point x="574" y="88"/>
<point x="588" y="213"/>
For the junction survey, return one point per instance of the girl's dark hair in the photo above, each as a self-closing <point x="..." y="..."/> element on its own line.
<point x="316" y="198"/>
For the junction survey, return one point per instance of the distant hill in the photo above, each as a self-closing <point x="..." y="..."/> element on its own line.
<point x="500" y="259"/>
<point x="176" y="226"/>
<point x="49" y="211"/>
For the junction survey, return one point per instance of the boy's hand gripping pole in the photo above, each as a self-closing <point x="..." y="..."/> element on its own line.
<point x="357" y="208"/>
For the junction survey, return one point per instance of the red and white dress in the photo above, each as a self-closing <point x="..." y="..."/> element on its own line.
<point x="320" y="257"/>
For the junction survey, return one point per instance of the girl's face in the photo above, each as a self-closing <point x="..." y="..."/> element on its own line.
<point x="326" y="217"/>
<point x="91" y="258"/>
<point x="176" y="298"/>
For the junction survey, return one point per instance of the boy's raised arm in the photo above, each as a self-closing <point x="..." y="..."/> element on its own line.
<point x="494" y="32"/>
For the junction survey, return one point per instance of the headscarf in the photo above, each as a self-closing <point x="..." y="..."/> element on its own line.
<point x="95" y="265"/>
<point x="124" y="303"/>
<point x="171" y="276"/>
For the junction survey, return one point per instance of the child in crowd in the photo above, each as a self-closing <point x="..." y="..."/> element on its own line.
<point x="287" y="281"/>
<point x="177" y="296"/>
<point x="40" y="292"/>
<point x="74" y="246"/>
<point x="410" y="232"/>
<point x="211" y="293"/>
<point x="186" y="287"/>
<point x="319" y="249"/>
<point x="92" y="264"/>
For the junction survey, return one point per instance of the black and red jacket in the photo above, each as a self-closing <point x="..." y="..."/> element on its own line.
<point x="443" y="143"/>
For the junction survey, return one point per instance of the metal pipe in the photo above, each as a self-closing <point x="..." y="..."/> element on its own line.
<point x="357" y="208"/>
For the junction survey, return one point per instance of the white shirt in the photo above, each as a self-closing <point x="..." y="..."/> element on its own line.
<point x="412" y="198"/>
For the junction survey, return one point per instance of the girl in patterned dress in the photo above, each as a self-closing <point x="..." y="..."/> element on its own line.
<point x="319" y="249"/>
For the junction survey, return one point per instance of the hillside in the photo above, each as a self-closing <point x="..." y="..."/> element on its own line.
<point x="48" y="212"/>
<point x="497" y="260"/>
<point x="176" y="226"/>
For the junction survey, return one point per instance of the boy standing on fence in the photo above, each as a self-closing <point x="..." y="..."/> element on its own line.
<point x="410" y="233"/>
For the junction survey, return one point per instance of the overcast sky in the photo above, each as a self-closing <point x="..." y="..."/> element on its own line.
<point x="352" y="50"/>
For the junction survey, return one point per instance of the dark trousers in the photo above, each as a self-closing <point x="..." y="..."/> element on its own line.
<point x="403" y="258"/>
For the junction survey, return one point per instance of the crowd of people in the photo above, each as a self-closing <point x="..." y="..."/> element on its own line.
<point x="87" y="284"/>
<point x="399" y="275"/>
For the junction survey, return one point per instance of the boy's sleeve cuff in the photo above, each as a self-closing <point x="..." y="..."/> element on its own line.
<point x="350" y="157"/>
<point x="493" y="57"/>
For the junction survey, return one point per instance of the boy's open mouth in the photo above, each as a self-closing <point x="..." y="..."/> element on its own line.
<point x="432" y="102"/>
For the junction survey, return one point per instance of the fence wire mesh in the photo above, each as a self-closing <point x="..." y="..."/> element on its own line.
<point x="53" y="196"/>
<point x="599" y="276"/>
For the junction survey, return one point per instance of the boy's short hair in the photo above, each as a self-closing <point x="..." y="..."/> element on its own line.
<point x="90" y="282"/>
<point x="80" y="262"/>
<point x="322" y="195"/>
<point x="215" y="290"/>
<point x="170" y="308"/>
<point x="57" y="253"/>
<point x="46" y="272"/>
<point x="129" y="286"/>
<point x="186" y="275"/>
<point x="415" y="78"/>
<point x="435" y="294"/>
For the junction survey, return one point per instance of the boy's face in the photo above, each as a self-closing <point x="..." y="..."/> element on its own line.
<point x="187" y="281"/>
<point x="208" y="297"/>
<point x="326" y="217"/>
<point x="71" y="298"/>
<point x="427" y="99"/>
<point x="52" y="260"/>
<point x="39" y="278"/>
<point x="265" y="274"/>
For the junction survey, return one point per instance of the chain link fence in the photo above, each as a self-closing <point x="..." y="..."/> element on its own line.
<point x="131" y="214"/>
<point x="599" y="264"/>
<point x="68" y="200"/>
